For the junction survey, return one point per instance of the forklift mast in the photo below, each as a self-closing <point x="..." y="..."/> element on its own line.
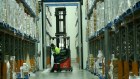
<point x="60" y="14"/>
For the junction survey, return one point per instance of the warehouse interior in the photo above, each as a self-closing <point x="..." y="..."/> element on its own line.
<point x="103" y="39"/>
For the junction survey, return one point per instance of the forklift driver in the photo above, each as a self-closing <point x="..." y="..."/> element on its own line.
<point x="56" y="53"/>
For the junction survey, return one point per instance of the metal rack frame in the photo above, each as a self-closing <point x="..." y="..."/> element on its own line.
<point x="124" y="41"/>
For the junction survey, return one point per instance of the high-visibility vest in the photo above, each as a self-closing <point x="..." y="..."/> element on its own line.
<point x="56" y="50"/>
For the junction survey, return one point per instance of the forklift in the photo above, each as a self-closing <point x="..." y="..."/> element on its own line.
<point x="62" y="41"/>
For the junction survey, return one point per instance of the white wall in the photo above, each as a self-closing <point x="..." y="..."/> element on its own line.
<point x="71" y="29"/>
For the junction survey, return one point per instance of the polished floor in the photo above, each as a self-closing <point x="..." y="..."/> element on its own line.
<point x="75" y="74"/>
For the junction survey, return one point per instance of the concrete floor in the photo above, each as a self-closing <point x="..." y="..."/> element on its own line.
<point x="75" y="74"/>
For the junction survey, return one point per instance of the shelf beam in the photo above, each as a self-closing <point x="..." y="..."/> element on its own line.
<point x="5" y="28"/>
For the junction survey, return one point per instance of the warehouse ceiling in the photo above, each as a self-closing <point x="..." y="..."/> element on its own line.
<point x="62" y="0"/>
<point x="62" y="4"/>
<point x="81" y="1"/>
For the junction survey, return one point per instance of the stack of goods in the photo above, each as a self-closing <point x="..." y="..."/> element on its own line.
<point x="113" y="71"/>
<point x="87" y="29"/>
<point x="91" y="62"/>
<point x="12" y="68"/>
<point x="100" y="61"/>
<point x="100" y="15"/>
<point x="6" y="71"/>
<point x="91" y="27"/>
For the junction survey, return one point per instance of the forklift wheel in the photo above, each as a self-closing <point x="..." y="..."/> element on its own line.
<point x="71" y="69"/>
<point x="52" y="71"/>
<point x="59" y="70"/>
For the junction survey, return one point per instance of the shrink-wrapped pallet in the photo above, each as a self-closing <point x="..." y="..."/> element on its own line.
<point x="100" y="15"/>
